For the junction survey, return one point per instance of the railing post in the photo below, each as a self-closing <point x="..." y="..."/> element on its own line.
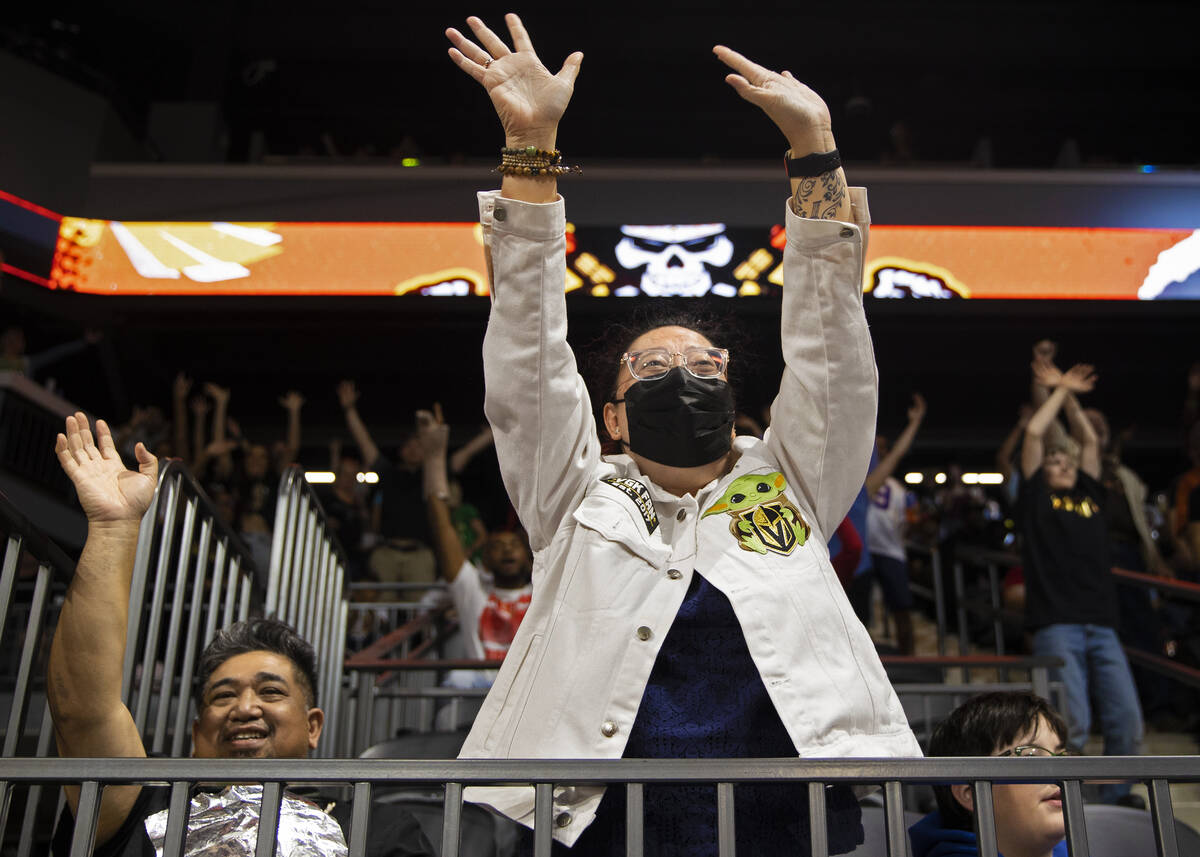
<point x="985" y="818"/>
<point x="451" y="820"/>
<point x="997" y="615"/>
<point x="361" y="812"/>
<point x="893" y="809"/>
<point x="726" y="825"/>
<point x="635" y="817"/>
<point x="1077" y="843"/>
<point x="964" y="643"/>
<point x="543" y="819"/>
<point x="1163" y="817"/>
<point x="818" y="830"/>
<point x="939" y="597"/>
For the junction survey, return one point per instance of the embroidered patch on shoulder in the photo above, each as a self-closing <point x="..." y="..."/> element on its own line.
<point x="763" y="518"/>
<point x="640" y="495"/>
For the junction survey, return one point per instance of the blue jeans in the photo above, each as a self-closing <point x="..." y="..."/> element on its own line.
<point x="1094" y="665"/>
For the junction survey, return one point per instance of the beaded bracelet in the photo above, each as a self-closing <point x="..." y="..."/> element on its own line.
<point x="532" y="161"/>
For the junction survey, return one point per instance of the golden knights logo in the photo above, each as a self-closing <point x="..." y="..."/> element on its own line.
<point x="763" y="517"/>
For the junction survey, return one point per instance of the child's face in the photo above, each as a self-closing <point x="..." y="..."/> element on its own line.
<point x="1060" y="470"/>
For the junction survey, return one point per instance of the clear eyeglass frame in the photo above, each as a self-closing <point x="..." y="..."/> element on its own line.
<point x="698" y="360"/>
<point x="1026" y="751"/>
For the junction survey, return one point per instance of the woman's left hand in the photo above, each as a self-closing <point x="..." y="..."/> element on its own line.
<point x="799" y="112"/>
<point x="529" y="100"/>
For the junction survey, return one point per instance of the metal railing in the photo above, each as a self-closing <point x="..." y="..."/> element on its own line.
<point x="305" y="589"/>
<point x="364" y="776"/>
<point x="992" y="609"/>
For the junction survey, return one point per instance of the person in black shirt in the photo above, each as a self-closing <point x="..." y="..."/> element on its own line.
<point x="1071" y="600"/>
<point x="255" y="682"/>
<point x="403" y="554"/>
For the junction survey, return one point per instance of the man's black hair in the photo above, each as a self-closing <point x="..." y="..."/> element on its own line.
<point x="259" y="635"/>
<point x="979" y="727"/>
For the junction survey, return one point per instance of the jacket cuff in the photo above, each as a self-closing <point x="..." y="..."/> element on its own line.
<point x="805" y="232"/>
<point x="539" y="221"/>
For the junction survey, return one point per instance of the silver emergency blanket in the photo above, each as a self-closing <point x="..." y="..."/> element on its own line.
<point x="226" y="825"/>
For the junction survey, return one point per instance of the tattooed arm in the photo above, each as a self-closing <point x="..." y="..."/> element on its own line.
<point x="804" y="119"/>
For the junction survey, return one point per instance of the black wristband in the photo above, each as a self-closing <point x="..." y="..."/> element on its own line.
<point x="812" y="165"/>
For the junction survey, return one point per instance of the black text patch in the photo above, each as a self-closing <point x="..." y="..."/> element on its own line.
<point x="640" y="495"/>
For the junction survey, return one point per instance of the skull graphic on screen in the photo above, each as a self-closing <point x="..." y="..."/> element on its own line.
<point x="676" y="260"/>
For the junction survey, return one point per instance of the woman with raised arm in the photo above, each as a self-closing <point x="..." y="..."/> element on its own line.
<point x="684" y="603"/>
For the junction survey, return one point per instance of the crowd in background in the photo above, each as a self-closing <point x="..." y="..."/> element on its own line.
<point x="383" y="523"/>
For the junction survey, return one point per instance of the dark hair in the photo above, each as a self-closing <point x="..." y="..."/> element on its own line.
<point x="979" y="727"/>
<point x="603" y="366"/>
<point x="259" y="635"/>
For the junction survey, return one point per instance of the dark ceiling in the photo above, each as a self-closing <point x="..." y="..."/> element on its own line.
<point x="928" y="81"/>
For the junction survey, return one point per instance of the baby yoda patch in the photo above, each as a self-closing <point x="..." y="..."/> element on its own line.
<point x="763" y="517"/>
<point x="640" y="495"/>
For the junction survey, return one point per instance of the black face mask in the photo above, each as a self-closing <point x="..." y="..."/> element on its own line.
<point x="679" y="420"/>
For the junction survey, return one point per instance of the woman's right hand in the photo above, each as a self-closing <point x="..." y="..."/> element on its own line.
<point x="529" y="100"/>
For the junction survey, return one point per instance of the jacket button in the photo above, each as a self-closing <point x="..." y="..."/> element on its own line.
<point x="500" y="214"/>
<point x="563" y="819"/>
<point x="674" y="573"/>
<point x="644" y="633"/>
<point x="607" y="729"/>
<point x="846" y="232"/>
<point x="680" y="515"/>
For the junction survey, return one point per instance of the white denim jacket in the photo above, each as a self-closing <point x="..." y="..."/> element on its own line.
<point x="613" y="559"/>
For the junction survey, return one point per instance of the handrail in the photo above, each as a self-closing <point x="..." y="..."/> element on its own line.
<point x="1182" y="588"/>
<point x="993" y="558"/>
<point x="31" y="537"/>
<point x="451" y="775"/>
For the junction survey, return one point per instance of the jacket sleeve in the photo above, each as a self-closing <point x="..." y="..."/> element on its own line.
<point x="823" y="420"/>
<point x="535" y="400"/>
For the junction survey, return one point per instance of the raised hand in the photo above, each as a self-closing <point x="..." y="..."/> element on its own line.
<point x="916" y="411"/>
<point x="108" y="492"/>
<point x="199" y="405"/>
<point x="183" y="386"/>
<point x="1046" y="373"/>
<point x="1080" y="378"/>
<point x="800" y="113"/>
<point x="217" y="392"/>
<point x="347" y="394"/>
<point x="432" y="432"/>
<point x="529" y="100"/>
<point x="291" y="401"/>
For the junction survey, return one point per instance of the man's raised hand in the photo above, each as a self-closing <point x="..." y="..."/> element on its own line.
<point x="108" y="492"/>
<point x="529" y="100"/>
<point x="432" y="432"/>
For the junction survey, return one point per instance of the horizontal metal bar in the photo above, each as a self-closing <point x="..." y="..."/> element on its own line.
<point x="475" y="771"/>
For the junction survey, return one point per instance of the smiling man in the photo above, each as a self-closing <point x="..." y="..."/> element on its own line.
<point x="255" y="686"/>
<point x="1029" y="816"/>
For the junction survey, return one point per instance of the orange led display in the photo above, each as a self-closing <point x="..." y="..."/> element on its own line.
<point x="912" y="262"/>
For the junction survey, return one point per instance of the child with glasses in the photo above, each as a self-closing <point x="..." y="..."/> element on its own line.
<point x="1028" y="816"/>
<point x="683" y="604"/>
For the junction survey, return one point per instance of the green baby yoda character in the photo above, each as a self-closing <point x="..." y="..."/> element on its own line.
<point x="762" y="522"/>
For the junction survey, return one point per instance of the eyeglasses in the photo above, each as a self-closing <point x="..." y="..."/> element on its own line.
<point x="1030" y="750"/>
<point x="651" y="363"/>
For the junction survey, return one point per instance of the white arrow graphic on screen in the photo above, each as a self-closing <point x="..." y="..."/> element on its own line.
<point x="252" y="234"/>
<point x="209" y="269"/>
<point x="143" y="261"/>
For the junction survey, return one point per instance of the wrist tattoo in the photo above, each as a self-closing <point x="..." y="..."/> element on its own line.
<point x="820" y="197"/>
